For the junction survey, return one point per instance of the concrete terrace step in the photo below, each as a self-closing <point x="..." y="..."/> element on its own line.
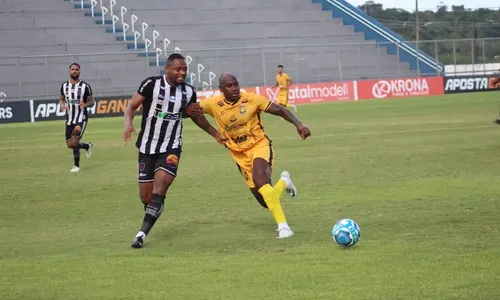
<point x="227" y="16"/>
<point x="234" y="4"/>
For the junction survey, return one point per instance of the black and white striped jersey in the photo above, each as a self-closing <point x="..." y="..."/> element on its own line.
<point x="161" y="126"/>
<point x="73" y="95"/>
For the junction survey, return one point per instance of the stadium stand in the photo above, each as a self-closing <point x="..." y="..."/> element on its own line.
<point x="248" y="38"/>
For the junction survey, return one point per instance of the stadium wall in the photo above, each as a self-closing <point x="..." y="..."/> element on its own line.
<point x="472" y="69"/>
<point x="374" y="30"/>
<point x="49" y="110"/>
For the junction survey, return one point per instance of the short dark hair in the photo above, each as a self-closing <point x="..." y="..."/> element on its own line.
<point x="174" y="56"/>
<point x="280" y="66"/>
<point x="75" y="64"/>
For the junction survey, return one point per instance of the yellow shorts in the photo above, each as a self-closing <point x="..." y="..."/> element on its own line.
<point x="282" y="97"/>
<point x="245" y="159"/>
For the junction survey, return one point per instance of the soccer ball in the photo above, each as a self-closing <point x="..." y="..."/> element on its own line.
<point x="346" y="233"/>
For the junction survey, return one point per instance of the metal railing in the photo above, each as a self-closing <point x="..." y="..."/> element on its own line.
<point x="113" y="74"/>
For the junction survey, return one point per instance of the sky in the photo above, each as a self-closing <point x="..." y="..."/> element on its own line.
<point x="431" y="4"/>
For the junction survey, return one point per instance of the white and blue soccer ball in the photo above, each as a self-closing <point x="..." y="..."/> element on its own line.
<point x="346" y="233"/>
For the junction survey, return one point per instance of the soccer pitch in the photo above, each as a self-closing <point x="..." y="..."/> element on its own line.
<point x="420" y="176"/>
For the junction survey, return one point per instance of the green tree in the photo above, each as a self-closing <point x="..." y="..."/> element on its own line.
<point x="473" y="35"/>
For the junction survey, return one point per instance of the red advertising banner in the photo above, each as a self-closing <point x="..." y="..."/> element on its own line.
<point x="299" y="93"/>
<point x="314" y="92"/>
<point x="401" y="87"/>
<point x="348" y="90"/>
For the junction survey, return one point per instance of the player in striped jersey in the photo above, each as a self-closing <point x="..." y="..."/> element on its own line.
<point x="76" y="96"/>
<point x="165" y="101"/>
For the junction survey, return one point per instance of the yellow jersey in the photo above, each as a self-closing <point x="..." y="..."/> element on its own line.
<point x="282" y="81"/>
<point x="240" y="121"/>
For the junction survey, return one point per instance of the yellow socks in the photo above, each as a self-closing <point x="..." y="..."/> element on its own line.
<point x="272" y="199"/>
<point x="280" y="187"/>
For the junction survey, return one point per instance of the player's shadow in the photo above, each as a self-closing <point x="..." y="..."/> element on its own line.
<point x="259" y="227"/>
<point x="171" y="233"/>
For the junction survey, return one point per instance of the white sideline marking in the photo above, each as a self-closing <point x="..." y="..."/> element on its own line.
<point x="131" y="144"/>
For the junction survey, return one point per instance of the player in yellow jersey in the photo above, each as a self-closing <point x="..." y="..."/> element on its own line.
<point x="238" y="119"/>
<point x="283" y="81"/>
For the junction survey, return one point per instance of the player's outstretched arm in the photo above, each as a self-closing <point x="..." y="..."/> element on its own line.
<point x="281" y="111"/>
<point x="192" y="110"/>
<point x="132" y="106"/>
<point x="203" y="123"/>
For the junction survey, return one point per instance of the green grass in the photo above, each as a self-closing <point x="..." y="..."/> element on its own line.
<point x="420" y="176"/>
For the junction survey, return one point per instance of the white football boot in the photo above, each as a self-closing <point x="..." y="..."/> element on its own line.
<point x="139" y="240"/>
<point x="290" y="187"/>
<point x="75" y="169"/>
<point x="89" y="152"/>
<point x="284" y="231"/>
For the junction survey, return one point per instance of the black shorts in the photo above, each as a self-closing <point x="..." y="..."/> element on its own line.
<point x="70" y="130"/>
<point x="150" y="163"/>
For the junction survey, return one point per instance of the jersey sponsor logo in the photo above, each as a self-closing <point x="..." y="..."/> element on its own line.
<point x="240" y="139"/>
<point x="164" y="115"/>
<point x="73" y="102"/>
<point x="6" y="112"/>
<point x="70" y="95"/>
<point x="466" y="84"/>
<point x="400" y="88"/>
<point x="235" y="127"/>
<point x="172" y="161"/>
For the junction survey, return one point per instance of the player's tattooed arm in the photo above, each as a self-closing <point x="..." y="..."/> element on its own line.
<point x="281" y="111"/>
<point x="90" y="101"/>
<point x="203" y="123"/>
